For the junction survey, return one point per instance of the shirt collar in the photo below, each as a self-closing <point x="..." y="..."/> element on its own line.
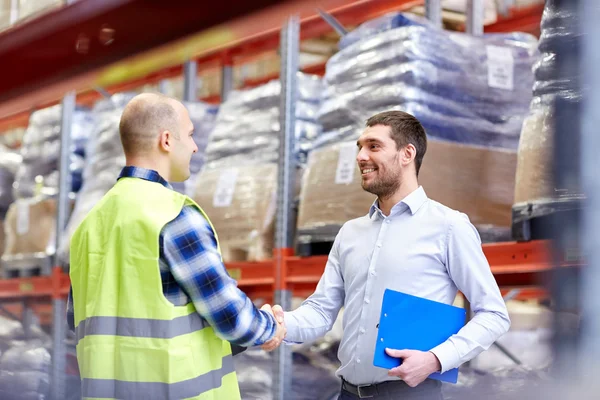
<point x="413" y="201"/>
<point x="143" y="173"/>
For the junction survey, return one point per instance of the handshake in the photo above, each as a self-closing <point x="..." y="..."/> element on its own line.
<point x="280" y="333"/>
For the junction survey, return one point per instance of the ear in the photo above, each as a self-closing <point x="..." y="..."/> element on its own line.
<point x="166" y="140"/>
<point x="408" y="154"/>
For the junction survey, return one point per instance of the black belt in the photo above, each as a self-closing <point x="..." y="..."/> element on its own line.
<point x="368" y="391"/>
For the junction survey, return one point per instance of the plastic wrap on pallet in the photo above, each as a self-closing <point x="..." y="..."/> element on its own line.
<point x="237" y="187"/>
<point x="9" y="163"/>
<point x="463" y="88"/>
<point x="471" y="95"/>
<point x="378" y="25"/>
<point x="476" y="180"/>
<point x="267" y="95"/>
<point x="9" y="330"/>
<point x="445" y="50"/>
<point x="24" y="362"/>
<point x="534" y="178"/>
<point x="248" y="126"/>
<point x="40" y="151"/>
<point x="30" y="227"/>
<point x="535" y="193"/>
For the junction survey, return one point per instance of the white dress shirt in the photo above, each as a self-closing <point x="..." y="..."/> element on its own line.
<point x="422" y="248"/>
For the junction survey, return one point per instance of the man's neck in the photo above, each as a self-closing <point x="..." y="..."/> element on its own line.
<point x="144" y="162"/>
<point x="406" y="188"/>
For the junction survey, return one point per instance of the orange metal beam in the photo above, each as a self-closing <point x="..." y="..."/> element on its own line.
<point x="523" y="19"/>
<point x="35" y="287"/>
<point x="514" y="265"/>
<point x="519" y="265"/>
<point x="20" y="120"/>
<point x="254" y="278"/>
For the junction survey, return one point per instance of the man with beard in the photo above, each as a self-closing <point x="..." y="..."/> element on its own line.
<point x="408" y="243"/>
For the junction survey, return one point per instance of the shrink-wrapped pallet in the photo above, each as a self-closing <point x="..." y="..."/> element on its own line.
<point x="462" y="88"/>
<point x="40" y="151"/>
<point x="471" y="95"/>
<point x="238" y="186"/>
<point x="557" y="88"/>
<point x="557" y="84"/>
<point x="24" y="361"/>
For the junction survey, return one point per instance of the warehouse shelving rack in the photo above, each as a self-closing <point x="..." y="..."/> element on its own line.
<point x="91" y="44"/>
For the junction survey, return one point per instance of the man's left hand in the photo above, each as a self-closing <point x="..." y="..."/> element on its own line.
<point x="416" y="365"/>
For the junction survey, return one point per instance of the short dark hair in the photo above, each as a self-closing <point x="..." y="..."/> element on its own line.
<point x="405" y="129"/>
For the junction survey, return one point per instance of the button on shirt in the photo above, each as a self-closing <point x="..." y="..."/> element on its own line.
<point x="422" y="248"/>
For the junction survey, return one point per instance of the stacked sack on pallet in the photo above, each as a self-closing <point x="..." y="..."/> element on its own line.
<point x="24" y="362"/>
<point x="9" y="163"/>
<point x="106" y="157"/>
<point x="471" y="95"/>
<point x="237" y="188"/>
<point x="35" y="187"/>
<point x="557" y="85"/>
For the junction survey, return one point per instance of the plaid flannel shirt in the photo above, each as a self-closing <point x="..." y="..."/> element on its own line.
<point x="192" y="270"/>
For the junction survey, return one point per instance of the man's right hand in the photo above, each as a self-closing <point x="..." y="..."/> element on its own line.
<point x="276" y="341"/>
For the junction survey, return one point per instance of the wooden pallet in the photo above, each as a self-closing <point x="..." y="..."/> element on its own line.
<point x="536" y="220"/>
<point x="316" y="241"/>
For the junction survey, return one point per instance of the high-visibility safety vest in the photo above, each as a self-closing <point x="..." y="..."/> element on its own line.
<point x="132" y="343"/>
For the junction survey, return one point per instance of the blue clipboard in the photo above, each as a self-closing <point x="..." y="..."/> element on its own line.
<point x="414" y="323"/>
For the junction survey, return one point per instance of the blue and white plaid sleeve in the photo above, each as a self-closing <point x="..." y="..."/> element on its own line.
<point x="190" y="249"/>
<point x="70" y="311"/>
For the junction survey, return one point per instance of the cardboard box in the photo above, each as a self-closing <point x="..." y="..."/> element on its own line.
<point x="30" y="227"/>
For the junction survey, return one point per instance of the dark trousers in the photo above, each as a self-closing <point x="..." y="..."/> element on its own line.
<point x="397" y="390"/>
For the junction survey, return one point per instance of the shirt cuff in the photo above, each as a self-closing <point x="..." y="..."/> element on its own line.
<point x="292" y="335"/>
<point x="447" y="355"/>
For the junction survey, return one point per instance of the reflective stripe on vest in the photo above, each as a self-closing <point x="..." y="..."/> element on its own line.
<point x="115" y="389"/>
<point x="139" y="327"/>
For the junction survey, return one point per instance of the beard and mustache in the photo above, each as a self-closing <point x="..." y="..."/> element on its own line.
<point x="384" y="184"/>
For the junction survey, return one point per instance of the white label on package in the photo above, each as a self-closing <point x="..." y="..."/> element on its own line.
<point x="22" y="218"/>
<point x="346" y="164"/>
<point x="225" y="188"/>
<point x="500" y="67"/>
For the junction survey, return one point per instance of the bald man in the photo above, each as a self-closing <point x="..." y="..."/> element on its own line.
<point x="152" y="306"/>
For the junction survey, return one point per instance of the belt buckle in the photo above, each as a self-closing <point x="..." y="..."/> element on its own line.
<point x="360" y="395"/>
